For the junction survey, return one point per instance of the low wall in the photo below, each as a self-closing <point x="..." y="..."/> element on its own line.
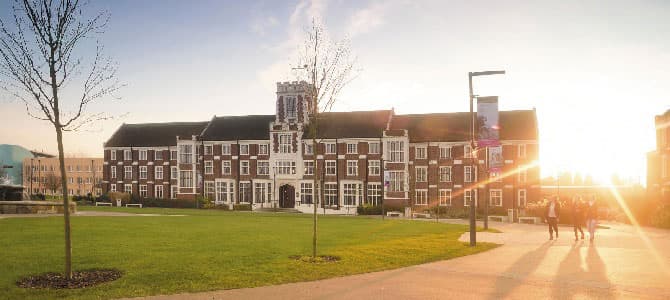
<point x="34" y="207"/>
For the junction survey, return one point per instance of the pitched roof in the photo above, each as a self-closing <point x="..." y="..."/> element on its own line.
<point x="353" y="124"/>
<point x="454" y="127"/>
<point x="230" y="128"/>
<point x="153" y="134"/>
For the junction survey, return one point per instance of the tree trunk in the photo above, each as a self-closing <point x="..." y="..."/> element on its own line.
<point x="66" y="205"/>
<point x="316" y="168"/>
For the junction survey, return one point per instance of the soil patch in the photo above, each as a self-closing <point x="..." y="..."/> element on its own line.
<point x="80" y="279"/>
<point x="315" y="260"/>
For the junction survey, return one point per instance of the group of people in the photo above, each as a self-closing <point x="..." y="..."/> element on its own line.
<point x="582" y="212"/>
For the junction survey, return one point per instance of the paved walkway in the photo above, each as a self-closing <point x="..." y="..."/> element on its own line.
<point x="622" y="263"/>
<point x="86" y="213"/>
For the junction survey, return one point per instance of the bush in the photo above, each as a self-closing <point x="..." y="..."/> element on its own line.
<point x="661" y="217"/>
<point x="246" y="207"/>
<point x="166" y="203"/>
<point x="369" y="210"/>
<point x="37" y="197"/>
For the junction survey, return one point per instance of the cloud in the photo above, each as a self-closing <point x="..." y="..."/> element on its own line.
<point x="261" y="25"/>
<point x="367" y="19"/>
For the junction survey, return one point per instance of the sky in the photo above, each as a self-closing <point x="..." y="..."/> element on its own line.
<point x="595" y="71"/>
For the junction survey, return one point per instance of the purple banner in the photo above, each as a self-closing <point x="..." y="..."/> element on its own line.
<point x="487" y="122"/>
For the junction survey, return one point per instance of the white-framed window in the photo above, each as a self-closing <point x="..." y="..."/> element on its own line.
<point x="495" y="176"/>
<point x="225" y="149"/>
<point x="112" y="170"/>
<point x="306" y="193"/>
<point x="331" y="167"/>
<point x="374" y="194"/>
<point x="495" y="197"/>
<point x="291" y="109"/>
<point x="284" y="143"/>
<point x="244" y="149"/>
<point x="209" y="149"/>
<point x="421" y="197"/>
<point x="396" y="150"/>
<point x="263" y="149"/>
<point x="158" y="172"/>
<point x="143" y="154"/>
<point x="173" y="191"/>
<point x="352" y="148"/>
<point x="521" y="150"/>
<point x="445" y="174"/>
<point x="397" y="183"/>
<point x="352" y="194"/>
<point x="112" y="187"/>
<point x="330" y="194"/>
<point x="445" y="152"/>
<point x="185" y="154"/>
<point x="331" y="148"/>
<point x="421" y="174"/>
<point x="469" y="173"/>
<point x="158" y="154"/>
<point x="373" y="148"/>
<point x="127" y="155"/>
<point x="309" y="167"/>
<point x="225" y="192"/>
<point x="174" y="173"/>
<point x="445" y="197"/>
<point x="309" y="148"/>
<point x="352" y="168"/>
<point x="521" y="197"/>
<point x="128" y="188"/>
<point x="244" y="167"/>
<point x="467" y="151"/>
<point x="186" y="179"/>
<point x="143" y="190"/>
<point x="420" y="152"/>
<point x="468" y="194"/>
<point x="173" y="154"/>
<point x="245" y="192"/>
<point x="158" y="191"/>
<point x="127" y="172"/>
<point x="262" y="192"/>
<point x="209" y="167"/>
<point x="143" y="172"/>
<point x="226" y="167"/>
<point x="112" y="154"/>
<point x="522" y="175"/>
<point x="263" y="167"/>
<point x="374" y="167"/>
<point x="209" y="190"/>
<point x="285" y="167"/>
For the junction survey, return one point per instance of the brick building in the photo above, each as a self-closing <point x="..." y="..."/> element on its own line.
<point x="658" y="161"/>
<point x="42" y="175"/>
<point x="268" y="160"/>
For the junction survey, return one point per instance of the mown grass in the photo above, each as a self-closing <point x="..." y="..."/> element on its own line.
<point x="209" y="250"/>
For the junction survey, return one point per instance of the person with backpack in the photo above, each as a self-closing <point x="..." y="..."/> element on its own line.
<point x="577" y="216"/>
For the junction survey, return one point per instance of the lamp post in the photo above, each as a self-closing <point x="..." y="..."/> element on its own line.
<point x="473" y="210"/>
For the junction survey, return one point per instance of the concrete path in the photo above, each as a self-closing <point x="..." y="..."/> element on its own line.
<point x="622" y="263"/>
<point x="86" y="214"/>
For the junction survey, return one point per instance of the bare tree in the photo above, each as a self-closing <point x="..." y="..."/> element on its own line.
<point x="52" y="182"/>
<point x="328" y="66"/>
<point x="42" y="57"/>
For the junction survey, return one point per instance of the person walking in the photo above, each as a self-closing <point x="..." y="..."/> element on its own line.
<point x="577" y="215"/>
<point x="552" y="213"/>
<point x="592" y="217"/>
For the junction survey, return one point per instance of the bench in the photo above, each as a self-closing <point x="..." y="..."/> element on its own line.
<point x="498" y="218"/>
<point x="528" y="220"/>
<point x="134" y="204"/>
<point x="421" y="215"/>
<point x="103" y="204"/>
<point x="394" y="214"/>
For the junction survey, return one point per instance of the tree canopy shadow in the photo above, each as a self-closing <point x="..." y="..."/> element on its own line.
<point x="517" y="272"/>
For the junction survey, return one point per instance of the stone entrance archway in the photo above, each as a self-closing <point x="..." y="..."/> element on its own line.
<point x="286" y="196"/>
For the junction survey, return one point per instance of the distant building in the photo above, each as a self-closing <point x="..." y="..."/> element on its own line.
<point x="658" y="161"/>
<point x="42" y="176"/>
<point x="267" y="160"/>
<point x="11" y="163"/>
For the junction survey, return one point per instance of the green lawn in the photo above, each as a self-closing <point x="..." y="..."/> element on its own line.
<point x="210" y="250"/>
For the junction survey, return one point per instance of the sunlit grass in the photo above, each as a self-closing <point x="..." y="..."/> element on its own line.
<point x="209" y="250"/>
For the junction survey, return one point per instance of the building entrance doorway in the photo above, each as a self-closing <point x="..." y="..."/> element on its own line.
<point x="286" y="196"/>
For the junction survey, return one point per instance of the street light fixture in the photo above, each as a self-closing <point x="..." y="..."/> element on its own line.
<point x="473" y="210"/>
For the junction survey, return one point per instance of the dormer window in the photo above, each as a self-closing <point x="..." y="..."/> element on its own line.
<point x="291" y="109"/>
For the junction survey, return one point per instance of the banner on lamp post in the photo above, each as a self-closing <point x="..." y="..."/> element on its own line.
<point x="488" y="129"/>
<point x="495" y="158"/>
